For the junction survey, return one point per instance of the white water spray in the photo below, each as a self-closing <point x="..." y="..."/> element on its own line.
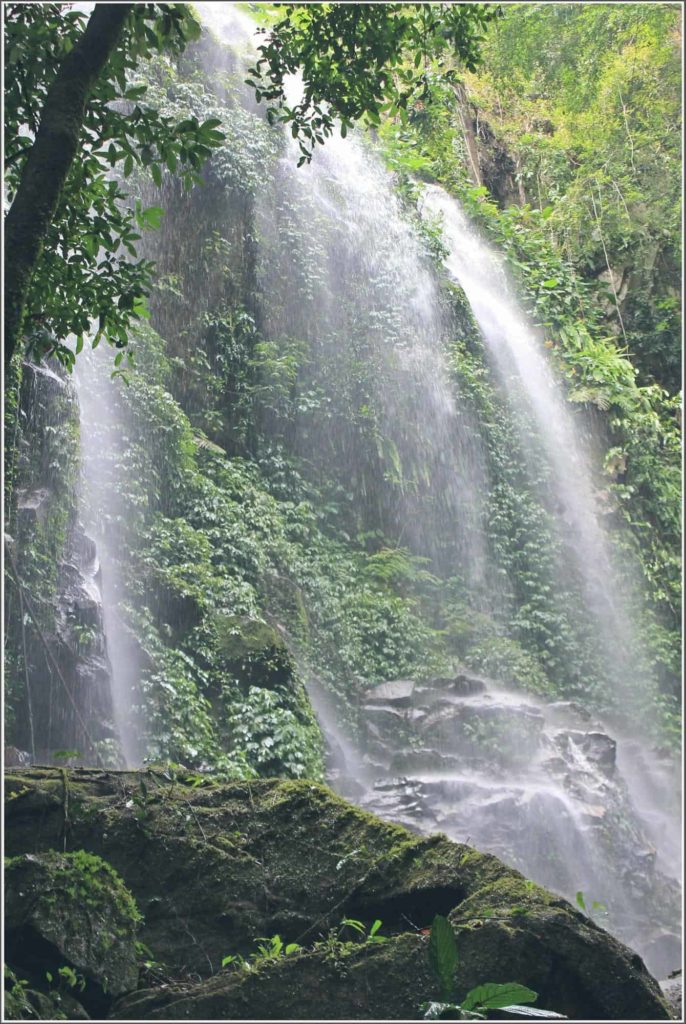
<point x="102" y="438"/>
<point x="517" y="354"/>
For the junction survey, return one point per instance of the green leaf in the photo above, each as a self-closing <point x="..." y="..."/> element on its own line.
<point x="65" y="755"/>
<point x="152" y="217"/>
<point x="552" y="282"/>
<point x="580" y="900"/>
<point x="352" y="923"/>
<point x="492" y="996"/>
<point x="156" y="174"/>
<point x="140" y="309"/>
<point x="443" y="955"/>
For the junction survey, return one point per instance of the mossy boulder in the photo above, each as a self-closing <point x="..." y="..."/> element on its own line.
<point x="256" y="651"/>
<point x="71" y="910"/>
<point x="270" y="718"/>
<point x="384" y="982"/>
<point x="214" y="867"/>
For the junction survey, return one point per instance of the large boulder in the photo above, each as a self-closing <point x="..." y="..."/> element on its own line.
<point x="215" y="867"/>
<point x="71" y="910"/>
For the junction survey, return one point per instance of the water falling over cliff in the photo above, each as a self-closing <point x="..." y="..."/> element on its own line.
<point x="517" y="354"/>
<point x="342" y="274"/>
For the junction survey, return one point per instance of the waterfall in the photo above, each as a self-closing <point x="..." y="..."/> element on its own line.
<point x="518" y="357"/>
<point x="341" y="270"/>
<point x="103" y="437"/>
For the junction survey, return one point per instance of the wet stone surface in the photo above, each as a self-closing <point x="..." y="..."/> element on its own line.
<point x="533" y="782"/>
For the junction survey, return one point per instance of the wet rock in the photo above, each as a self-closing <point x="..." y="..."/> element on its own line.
<point x="15" y="758"/>
<point x="594" y="814"/>
<point x="533" y="783"/>
<point x="334" y="757"/>
<point x="373" y="764"/>
<point x="424" y="759"/>
<point x="387" y="720"/>
<point x="33" y="507"/>
<point x="346" y="785"/>
<point x="395" y="694"/>
<point x="672" y="990"/>
<point x="567" y="712"/>
<point x="599" y="748"/>
<point x="71" y="908"/>
<point x="467" y="683"/>
<point x="217" y="866"/>
<point x="664" y="952"/>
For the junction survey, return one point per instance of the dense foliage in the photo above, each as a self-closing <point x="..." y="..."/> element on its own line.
<point x="260" y="527"/>
<point x="87" y="271"/>
<point x="597" y="142"/>
<point x="350" y="57"/>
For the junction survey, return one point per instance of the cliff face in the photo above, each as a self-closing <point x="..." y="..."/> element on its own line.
<point x="213" y="868"/>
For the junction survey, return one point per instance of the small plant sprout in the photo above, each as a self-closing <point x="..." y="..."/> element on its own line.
<point x="267" y="949"/>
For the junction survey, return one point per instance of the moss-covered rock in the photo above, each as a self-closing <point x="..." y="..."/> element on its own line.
<point x="214" y="867"/>
<point x="384" y="982"/>
<point x="271" y="718"/>
<point x="71" y="910"/>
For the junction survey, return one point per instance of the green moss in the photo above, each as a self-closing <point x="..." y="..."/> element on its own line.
<point x="78" y="903"/>
<point x="213" y="868"/>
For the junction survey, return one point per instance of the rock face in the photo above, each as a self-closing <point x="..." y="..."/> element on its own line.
<point x="71" y="910"/>
<point x="535" y="783"/>
<point x="215" y="867"/>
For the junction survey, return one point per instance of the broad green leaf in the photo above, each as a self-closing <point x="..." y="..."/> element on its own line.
<point x="135" y="92"/>
<point x="443" y="954"/>
<point x="493" y="996"/>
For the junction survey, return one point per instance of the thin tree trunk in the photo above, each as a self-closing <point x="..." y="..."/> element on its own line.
<point x="468" y="133"/>
<point x="51" y="158"/>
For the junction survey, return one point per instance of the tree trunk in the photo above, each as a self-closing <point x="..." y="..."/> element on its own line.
<point x="51" y="158"/>
<point x="468" y="133"/>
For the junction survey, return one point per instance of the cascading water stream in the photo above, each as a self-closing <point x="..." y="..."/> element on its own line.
<point x="518" y="358"/>
<point x="102" y="431"/>
<point x="339" y="268"/>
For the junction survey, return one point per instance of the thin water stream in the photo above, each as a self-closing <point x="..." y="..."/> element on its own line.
<point x="102" y="431"/>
